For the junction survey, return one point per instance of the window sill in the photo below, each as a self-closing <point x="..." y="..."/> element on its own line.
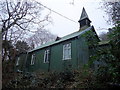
<point x="46" y="62"/>
<point x="66" y="59"/>
<point x="31" y="64"/>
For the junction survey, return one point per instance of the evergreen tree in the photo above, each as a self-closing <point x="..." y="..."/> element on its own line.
<point x="22" y="47"/>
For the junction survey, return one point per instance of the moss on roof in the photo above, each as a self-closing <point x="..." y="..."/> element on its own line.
<point x="62" y="39"/>
<point x="103" y="42"/>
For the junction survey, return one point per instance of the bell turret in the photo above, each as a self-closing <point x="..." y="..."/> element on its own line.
<point x="84" y="20"/>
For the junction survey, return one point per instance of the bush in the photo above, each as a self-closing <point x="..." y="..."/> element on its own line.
<point x="82" y="78"/>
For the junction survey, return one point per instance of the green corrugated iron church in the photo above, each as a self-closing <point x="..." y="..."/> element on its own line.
<point x="69" y="52"/>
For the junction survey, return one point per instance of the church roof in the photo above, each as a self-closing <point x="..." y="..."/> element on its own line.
<point x="104" y="42"/>
<point x="83" y="15"/>
<point x="70" y="36"/>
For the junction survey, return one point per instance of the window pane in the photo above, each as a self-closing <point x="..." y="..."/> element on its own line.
<point x="46" y="56"/>
<point x="63" y="52"/>
<point x="18" y="59"/>
<point x="33" y="59"/>
<point x="67" y="51"/>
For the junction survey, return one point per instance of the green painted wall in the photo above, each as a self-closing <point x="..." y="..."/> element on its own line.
<point x="57" y="63"/>
<point x="79" y="52"/>
<point x="56" y="58"/>
<point x="39" y="61"/>
<point x="80" y="56"/>
<point x="21" y="62"/>
<point x="83" y="52"/>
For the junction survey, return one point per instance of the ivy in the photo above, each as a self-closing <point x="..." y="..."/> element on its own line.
<point x="108" y="56"/>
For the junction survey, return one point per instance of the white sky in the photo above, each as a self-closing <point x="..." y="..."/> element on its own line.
<point x="62" y="26"/>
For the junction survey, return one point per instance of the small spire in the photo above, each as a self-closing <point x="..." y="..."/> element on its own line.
<point x="83" y="15"/>
<point x="84" y="20"/>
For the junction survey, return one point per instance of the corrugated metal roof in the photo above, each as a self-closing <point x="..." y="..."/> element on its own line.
<point x="103" y="42"/>
<point x="62" y="39"/>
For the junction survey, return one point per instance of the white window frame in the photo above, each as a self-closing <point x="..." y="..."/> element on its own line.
<point x="32" y="59"/>
<point x="18" y="59"/>
<point x="46" y="56"/>
<point x="67" y="51"/>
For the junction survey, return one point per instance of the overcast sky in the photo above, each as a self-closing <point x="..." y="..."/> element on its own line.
<point x="62" y="26"/>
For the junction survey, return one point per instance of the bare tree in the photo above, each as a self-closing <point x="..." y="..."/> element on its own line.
<point x="19" y="18"/>
<point x="40" y="37"/>
<point x="113" y="10"/>
<point x="21" y="47"/>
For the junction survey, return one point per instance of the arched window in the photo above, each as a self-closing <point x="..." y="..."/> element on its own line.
<point x="33" y="59"/>
<point x="46" y="56"/>
<point x="67" y="51"/>
<point x="18" y="59"/>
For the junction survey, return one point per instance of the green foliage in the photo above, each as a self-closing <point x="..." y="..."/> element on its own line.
<point x="7" y="44"/>
<point x="107" y="57"/>
<point x="114" y="63"/>
<point x="82" y="78"/>
<point x="91" y="39"/>
<point x="7" y="50"/>
<point x="92" y="42"/>
<point x="22" y="46"/>
<point x="115" y="41"/>
<point x="109" y="71"/>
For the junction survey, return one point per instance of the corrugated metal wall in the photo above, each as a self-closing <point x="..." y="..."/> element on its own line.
<point x="21" y="62"/>
<point x="83" y="52"/>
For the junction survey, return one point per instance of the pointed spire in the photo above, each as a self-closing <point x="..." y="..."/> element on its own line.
<point x="84" y="20"/>
<point x="83" y="15"/>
